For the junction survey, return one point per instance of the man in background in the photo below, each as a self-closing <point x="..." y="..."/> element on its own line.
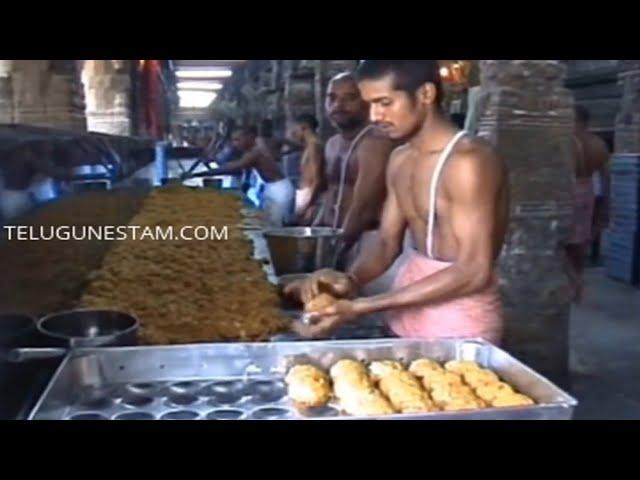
<point x="312" y="182"/>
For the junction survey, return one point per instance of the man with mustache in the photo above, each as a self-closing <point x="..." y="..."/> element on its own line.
<point x="356" y="161"/>
<point x="451" y="192"/>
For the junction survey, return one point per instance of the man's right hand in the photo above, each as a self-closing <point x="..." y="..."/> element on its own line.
<point x="338" y="284"/>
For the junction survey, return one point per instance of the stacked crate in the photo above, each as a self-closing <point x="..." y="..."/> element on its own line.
<point x="623" y="252"/>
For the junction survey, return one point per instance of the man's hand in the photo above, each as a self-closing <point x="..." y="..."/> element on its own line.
<point x="335" y="283"/>
<point x="327" y="320"/>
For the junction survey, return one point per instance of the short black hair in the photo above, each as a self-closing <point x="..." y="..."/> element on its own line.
<point x="408" y="75"/>
<point x="582" y="114"/>
<point x="307" y="119"/>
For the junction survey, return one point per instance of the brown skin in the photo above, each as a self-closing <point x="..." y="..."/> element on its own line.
<point x="312" y="167"/>
<point x="593" y="157"/>
<point x="472" y="205"/>
<point x="254" y="157"/>
<point x="364" y="190"/>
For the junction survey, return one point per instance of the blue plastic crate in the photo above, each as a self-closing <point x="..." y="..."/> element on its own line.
<point x="624" y="236"/>
<point x="622" y="273"/>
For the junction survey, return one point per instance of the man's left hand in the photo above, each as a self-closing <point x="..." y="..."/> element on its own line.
<point x="327" y="320"/>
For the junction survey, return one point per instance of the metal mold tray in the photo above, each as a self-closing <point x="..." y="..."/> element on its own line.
<point x="246" y="381"/>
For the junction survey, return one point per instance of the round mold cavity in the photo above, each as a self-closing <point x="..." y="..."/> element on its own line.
<point x="271" y="413"/>
<point x="134" y="416"/>
<point x="185" y="387"/>
<point x="137" y="401"/>
<point x="267" y="391"/>
<point x="225" y="414"/>
<point x="226" y="391"/>
<point x="182" y="400"/>
<point x="88" y="416"/>
<point x="144" y="388"/>
<point x="180" y="415"/>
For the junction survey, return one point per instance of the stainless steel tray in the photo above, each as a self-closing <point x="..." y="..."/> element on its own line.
<point x="246" y="380"/>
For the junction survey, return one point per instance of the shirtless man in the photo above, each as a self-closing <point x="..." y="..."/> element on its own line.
<point x="590" y="158"/>
<point x="278" y="192"/>
<point x="452" y="193"/>
<point x="312" y="182"/>
<point x="356" y="161"/>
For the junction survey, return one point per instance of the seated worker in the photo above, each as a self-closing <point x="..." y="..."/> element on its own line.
<point x="279" y="193"/>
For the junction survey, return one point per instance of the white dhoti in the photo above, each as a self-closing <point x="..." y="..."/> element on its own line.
<point x="14" y="203"/>
<point x="303" y="196"/>
<point x="278" y="201"/>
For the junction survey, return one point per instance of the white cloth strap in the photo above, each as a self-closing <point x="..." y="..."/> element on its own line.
<point x="434" y="186"/>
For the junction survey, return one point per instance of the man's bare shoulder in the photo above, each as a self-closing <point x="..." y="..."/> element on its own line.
<point x="473" y="160"/>
<point x="259" y="152"/>
<point x="597" y="144"/>
<point x="332" y="145"/>
<point x="375" y="136"/>
<point x="397" y="158"/>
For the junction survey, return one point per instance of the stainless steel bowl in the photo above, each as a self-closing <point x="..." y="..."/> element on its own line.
<point x="302" y="249"/>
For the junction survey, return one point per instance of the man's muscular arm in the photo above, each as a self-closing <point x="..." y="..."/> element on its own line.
<point x="316" y="172"/>
<point x="372" y="262"/>
<point x="247" y="161"/>
<point x="369" y="190"/>
<point x="474" y="180"/>
<point x="387" y="245"/>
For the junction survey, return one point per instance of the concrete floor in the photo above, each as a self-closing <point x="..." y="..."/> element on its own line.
<point x="605" y="349"/>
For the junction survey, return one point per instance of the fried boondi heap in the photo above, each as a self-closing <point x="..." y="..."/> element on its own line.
<point x="185" y="291"/>
<point x="45" y="276"/>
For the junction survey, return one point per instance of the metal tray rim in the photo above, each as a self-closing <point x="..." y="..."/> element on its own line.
<point x="568" y="401"/>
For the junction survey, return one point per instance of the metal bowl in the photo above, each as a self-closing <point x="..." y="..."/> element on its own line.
<point x="91" y="328"/>
<point x="302" y="249"/>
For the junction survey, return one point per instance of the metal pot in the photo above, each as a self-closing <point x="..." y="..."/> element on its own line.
<point x="80" y="329"/>
<point x="302" y="249"/>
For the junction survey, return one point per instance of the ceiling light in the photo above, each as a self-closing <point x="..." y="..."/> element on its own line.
<point x="195" y="85"/>
<point x="204" y="73"/>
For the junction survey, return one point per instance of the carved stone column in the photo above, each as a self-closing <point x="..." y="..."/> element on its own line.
<point x="627" y="133"/>
<point x="107" y="86"/>
<point x="528" y="115"/>
<point x="42" y="92"/>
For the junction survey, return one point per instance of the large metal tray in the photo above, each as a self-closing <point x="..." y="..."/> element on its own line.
<point x="246" y="380"/>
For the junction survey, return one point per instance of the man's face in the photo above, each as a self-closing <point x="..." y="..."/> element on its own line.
<point x="394" y="111"/>
<point x="296" y="132"/>
<point x="240" y="141"/>
<point x="345" y="107"/>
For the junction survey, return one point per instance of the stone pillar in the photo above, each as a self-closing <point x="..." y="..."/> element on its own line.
<point x="527" y="114"/>
<point x="107" y="86"/>
<point x="42" y="92"/>
<point x="6" y="92"/>
<point x="627" y="128"/>
<point x="320" y="91"/>
<point x="299" y="94"/>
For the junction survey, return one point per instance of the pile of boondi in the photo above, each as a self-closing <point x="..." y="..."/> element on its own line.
<point x="186" y="291"/>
